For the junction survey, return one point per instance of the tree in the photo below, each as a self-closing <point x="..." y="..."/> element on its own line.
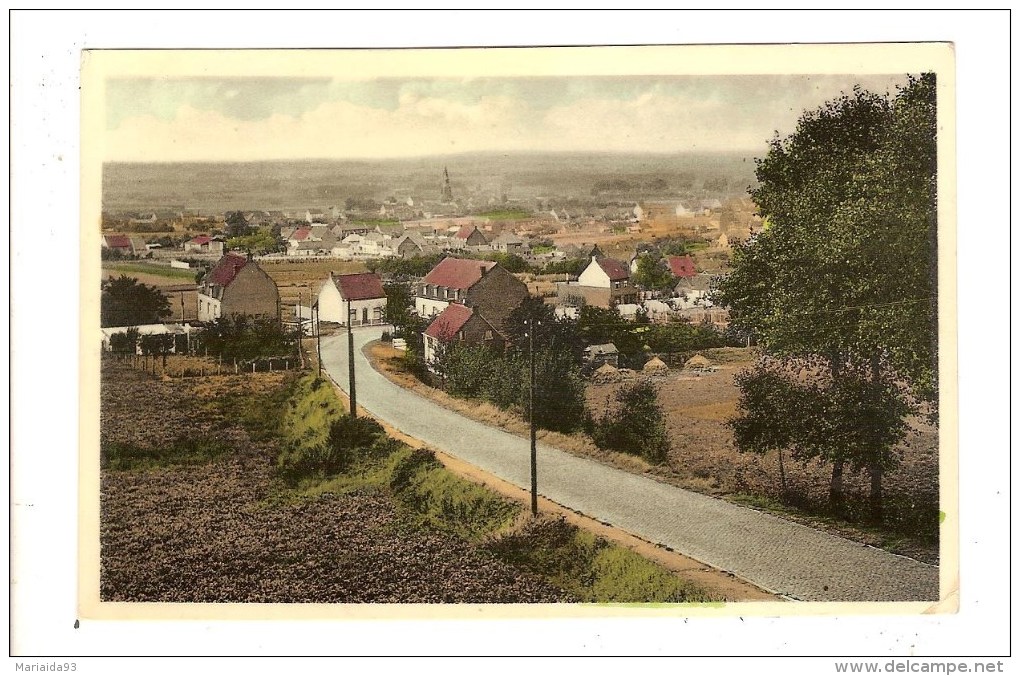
<point x="652" y="273"/>
<point x="125" y="342"/>
<point x="261" y="241"/>
<point x="126" y="302"/>
<point x="637" y="425"/>
<point x="559" y="390"/>
<point x="845" y="270"/>
<point x="237" y="225"/>
<point x="400" y="305"/>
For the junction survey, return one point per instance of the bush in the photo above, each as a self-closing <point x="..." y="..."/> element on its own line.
<point x="348" y="440"/>
<point x="386" y="337"/>
<point x="637" y="426"/>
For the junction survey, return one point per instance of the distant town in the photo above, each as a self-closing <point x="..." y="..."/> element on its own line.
<point x="437" y="347"/>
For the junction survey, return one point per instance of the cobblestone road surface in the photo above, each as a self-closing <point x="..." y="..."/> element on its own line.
<point x="775" y="554"/>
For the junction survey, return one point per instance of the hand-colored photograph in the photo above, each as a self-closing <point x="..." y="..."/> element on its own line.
<point x="614" y="329"/>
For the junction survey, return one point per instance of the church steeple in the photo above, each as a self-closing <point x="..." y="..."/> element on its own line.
<point x="447" y="191"/>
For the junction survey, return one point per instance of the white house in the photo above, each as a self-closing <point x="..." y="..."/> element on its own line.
<point x="365" y="293"/>
<point x="604" y="273"/>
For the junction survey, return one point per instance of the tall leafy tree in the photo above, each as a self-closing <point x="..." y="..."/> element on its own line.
<point x="845" y="271"/>
<point x="124" y="301"/>
<point x="652" y="273"/>
<point x="237" y="225"/>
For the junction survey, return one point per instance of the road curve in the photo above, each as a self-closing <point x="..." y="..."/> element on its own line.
<point x="777" y="555"/>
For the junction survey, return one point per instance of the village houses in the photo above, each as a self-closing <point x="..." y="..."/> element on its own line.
<point x="461" y="324"/>
<point x="361" y="295"/>
<point x="474" y="296"/>
<point x="237" y="286"/>
<point x="204" y="244"/>
<point x="605" y="283"/>
<point x="120" y="243"/>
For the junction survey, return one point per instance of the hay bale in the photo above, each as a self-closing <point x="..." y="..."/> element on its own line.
<point x="607" y="373"/>
<point x="698" y="363"/>
<point x="655" y="367"/>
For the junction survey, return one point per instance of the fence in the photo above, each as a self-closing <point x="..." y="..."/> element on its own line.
<point x="187" y="366"/>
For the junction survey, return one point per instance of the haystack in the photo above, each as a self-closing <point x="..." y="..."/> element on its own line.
<point x="698" y="363"/>
<point x="607" y="373"/>
<point x="655" y="367"/>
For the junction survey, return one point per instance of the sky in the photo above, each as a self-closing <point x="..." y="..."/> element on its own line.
<point x="271" y="118"/>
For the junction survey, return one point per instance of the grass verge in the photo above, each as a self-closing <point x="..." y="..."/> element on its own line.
<point x="429" y="496"/>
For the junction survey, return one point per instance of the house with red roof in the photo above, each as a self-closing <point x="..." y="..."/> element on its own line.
<point x="360" y="296"/>
<point x="459" y="324"/>
<point x="468" y="236"/>
<point x="605" y="283"/>
<point x="119" y="243"/>
<point x="682" y="267"/>
<point x="483" y="285"/>
<point x="237" y="286"/>
<point x="204" y="244"/>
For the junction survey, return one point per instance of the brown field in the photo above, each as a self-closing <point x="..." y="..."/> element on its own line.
<point x="704" y="458"/>
<point x="215" y="533"/>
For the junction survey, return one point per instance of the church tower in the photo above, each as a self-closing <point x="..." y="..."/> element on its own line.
<point x="447" y="191"/>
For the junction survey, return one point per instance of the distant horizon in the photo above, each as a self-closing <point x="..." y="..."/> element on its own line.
<point x="466" y="154"/>
<point x="255" y="118"/>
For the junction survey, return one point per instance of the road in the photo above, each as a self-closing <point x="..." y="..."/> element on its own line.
<point x="777" y="555"/>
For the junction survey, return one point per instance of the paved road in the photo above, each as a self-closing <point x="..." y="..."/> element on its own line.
<point x="777" y="555"/>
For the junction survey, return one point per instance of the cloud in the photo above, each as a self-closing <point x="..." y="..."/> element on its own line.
<point x="231" y="120"/>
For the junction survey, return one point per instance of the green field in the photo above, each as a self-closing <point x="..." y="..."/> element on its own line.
<point x="507" y="214"/>
<point x="146" y="269"/>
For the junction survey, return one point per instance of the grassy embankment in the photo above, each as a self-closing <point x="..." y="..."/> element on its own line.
<point x="589" y="567"/>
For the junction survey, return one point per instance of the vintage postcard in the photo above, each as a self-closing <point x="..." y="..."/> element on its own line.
<point x="516" y="332"/>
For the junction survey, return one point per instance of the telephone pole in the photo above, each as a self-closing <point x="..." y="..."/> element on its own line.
<point x="318" y="342"/>
<point x="531" y="418"/>
<point x="350" y="362"/>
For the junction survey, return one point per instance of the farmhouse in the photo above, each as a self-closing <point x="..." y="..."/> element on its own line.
<point x="604" y="283"/>
<point x="508" y="242"/>
<point x="459" y="324"/>
<point x="237" y="286"/>
<point x="119" y="243"/>
<point x="485" y="286"/>
<point x="361" y="293"/>
<point x="204" y="244"/>
<point x="468" y="236"/>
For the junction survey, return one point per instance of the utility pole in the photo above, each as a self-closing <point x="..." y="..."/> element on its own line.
<point x="531" y="418"/>
<point x="318" y="344"/>
<point x="300" y="329"/>
<point x="350" y="362"/>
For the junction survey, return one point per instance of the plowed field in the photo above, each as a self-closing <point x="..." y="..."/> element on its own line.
<point x="217" y="532"/>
